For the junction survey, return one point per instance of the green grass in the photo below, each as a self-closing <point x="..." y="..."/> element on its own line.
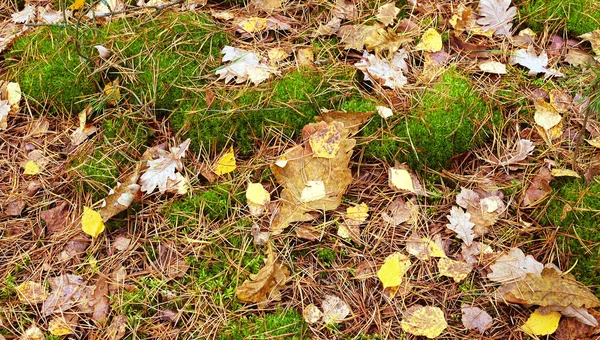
<point x="288" y="324"/>
<point x="577" y="16"/>
<point x="445" y="121"/>
<point x="576" y="210"/>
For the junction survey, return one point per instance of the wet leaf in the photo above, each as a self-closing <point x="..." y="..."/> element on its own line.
<point x="424" y="321"/>
<point x="541" y="324"/>
<point x="476" y="318"/>
<point x="91" y="222"/>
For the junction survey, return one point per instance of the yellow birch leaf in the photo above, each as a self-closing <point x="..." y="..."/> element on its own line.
<point x="430" y="42"/>
<point x="455" y="269"/>
<point x="432" y="249"/>
<point x="225" y="164"/>
<point x="594" y="142"/>
<point x="31" y="292"/>
<point x="59" y="326"/>
<point x="546" y="115"/>
<point x="31" y="168"/>
<point x="358" y="213"/>
<point x="14" y="93"/>
<point x="540" y="324"/>
<point x="77" y="5"/>
<point x="400" y="179"/>
<point x="112" y="92"/>
<point x="424" y="321"/>
<point x="257" y="194"/>
<point x="564" y="173"/>
<point x="393" y="269"/>
<point x="91" y="222"/>
<point x="254" y="24"/>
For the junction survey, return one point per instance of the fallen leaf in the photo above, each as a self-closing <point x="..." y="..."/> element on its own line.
<point x="514" y="266"/>
<point x="117" y="328"/>
<point x="496" y="15"/>
<point x="384" y="111"/>
<point x="59" y="326"/>
<point x="549" y="289"/>
<point x="106" y="7"/>
<point x="245" y="65"/>
<point x="455" y="269"/>
<point x="352" y="121"/>
<point x="68" y="291"/>
<point x="387" y="14"/>
<point x="572" y="329"/>
<point x="424" y="321"/>
<point x="31" y="292"/>
<point x="33" y="333"/>
<point x="260" y="237"/>
<point x="540" y="324"/>
<point x="461" y="224"/>
<point x="26" y="15"/>
<point x="556" y="172"/>
<point x="595" y="142"/>
<point x="493" y="67"/>
<point x="484" y="208"/>
<point x="305" y="57"/>
<point x="401" y="179"/>
<point x="474" y="253"/>
<point x="171" y="262"/>
<point x="383" y="72"/>
<point x="577" y="57"/>
<point x="84" y="130"/>
<point x="253" y="24"/>
<point x="546" y="115"/>
<point x="257" y="198"/>
<point x="31" y="168"/>
<point x="536" y="64"/>
<point x="538" y="188"/>
<point x="162" y="168"/>
<point x="264" y="285"/>
<point x="120" y="198"/>
<point x="424" y="248"/>
<point x="335" y="309"/>
<point x="91" y="222"/>
<point x="267" y="5"/>
<point x="392" y="271"/>
<point x="112" y="92"/>
<point x="594" y="39"/>
<point x="476" y="318"/>
<point x="581" y="314"/>
<point x="399" y="211"/>
<point x="312" y="314"/>
<point x="121" y="243"/>
<point x="325" y="142"/>
<point x="56" y="218"/>
<point x="431" y="41"/>
<point x="225" y="164"/>
<point x="77" y="5"/>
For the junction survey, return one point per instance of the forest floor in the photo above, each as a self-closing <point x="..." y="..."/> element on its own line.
<point x="271" y="169"/>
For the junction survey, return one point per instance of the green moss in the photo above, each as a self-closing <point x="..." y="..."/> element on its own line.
<point x="445" y="121"/>
<point x="216" y="203"/>
<point x="577" y="16"/>
<point x="282" y="323"/>
<point x="576" y="209"/>
<point x="326" y="256"/>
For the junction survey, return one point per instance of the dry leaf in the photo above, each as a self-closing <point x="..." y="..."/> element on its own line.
<point x="546" y="115"/>
<point x="484" y="208"/>
<point x="121" y="197"/>
<point x="431" y="41"/>
<point x="383" y="72"/>
<point x="401" y="179"/>
<point x="424" y="248"/>
<point x="33" y="333"/>
<point x="162" y="165"/>
<point x="550" y="289"/>
<point x="398" y="212"/>
<point x="68" y="291"/>
<point x="311" y="183"/>
<point x="305" y="56"/>
<point x="312" y="314"/>
<point x="496" y="15"/>
<point x="424" y="321"/>
<point x="91" y="222"/>
<point x="59" y="326"/>
<point x="260" y="237"/>
<point x="461" y="224"/>
<point x="171" y="262"/>
<point x="556" y="172"/>
<point x="594" y="39"/>
<point x="473" y="254"/>
<point x="84" y="130"/>
<point x="117" y="328"/>
<point x="351" y="120"/>
<point x="541" y="324"/>
<point x="56" y="218"/>
<point x="572" y="329"/>
<point x="245" y="65"/>
<point x="493" y="67"/>
<point x="392" y="272"/>
<point x="335" y="309"/>
<point x="387" y="14"/>
<point x="514" y="266"/>
<point x="454" y="269"/>
<point x="225" y="164"/>
<point x="538" y="188"/>
<point x="325" y="142"/>
<point x="257" y="198"/>
<point x="536" y="64"/>
<point x="264" y="285"/>
<point x="384" y="111"/>
<point x="26" y="15"/>
<point x="31" y="292"/>
<point x="476" y="318"/>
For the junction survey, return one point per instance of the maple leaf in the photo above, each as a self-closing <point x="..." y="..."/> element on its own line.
<point x="244" y="66"/>
<point x="461" y="224"/>
<point x="514" y="266"/>
<point x="264" y="285"/>
<point x="496" y="15"/>
<point x="536" y="64"/>
<point x="311" y="182"/>
<point x="476" y="318"/>
<point x="549" y="289"/>
<point x="162" y="169"/>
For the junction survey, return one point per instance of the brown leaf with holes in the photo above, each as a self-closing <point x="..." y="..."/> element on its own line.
<point x="549" y="289"/>
<point x="264" y="285"/>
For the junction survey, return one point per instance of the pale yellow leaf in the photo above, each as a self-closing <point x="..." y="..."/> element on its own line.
<point x="401" y="179"/>
<point x="31" y="292"/>
<point x="384" y="111"/>
<point x="424" y="321"/>
<point x="564" y="173"/>
<point x="225" y="164"/>
<point x="493" y="67"/>
<point x="31" y="168"/>
<point x="313" y="191"/>
<point x="455" y="269"/>
<point x="387" y="13"/>
<point x="257" y="194"/>
<point x="595" y="142"/>
<point x="430" y="42"/>
<point x="14" y="93"/>
<point x="254" y="24"/>
<point x="59" y="326"/>
<point x="312" y="314"/>
<point x="539" y="324"/>
<point x="546" y="115"/>
<point x="393" y="270"/>
<point x="358" y="213"/>
<point x="91" y="222"/>
<point x="325" y="142"/>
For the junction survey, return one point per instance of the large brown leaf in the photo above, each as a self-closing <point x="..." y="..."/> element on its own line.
<point x="299" y="169"/>
<point x="550" y="289"/>
<point x="264" y="285"/>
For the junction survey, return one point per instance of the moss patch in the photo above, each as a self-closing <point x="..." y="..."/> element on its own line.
<point x="576" y="209"/>
<point x="577" y="16"/>
<point x="216" y="203"/>
<point x="288" y="324"/>
<point x="445" y="121"/>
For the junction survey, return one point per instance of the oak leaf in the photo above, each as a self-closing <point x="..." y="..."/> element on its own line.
<point x="162" y="166"/>
<point x="460" y="223"/>
<point x="264" y="285"/>
<point x="496" y="15"/>
<point x="514" y="266"/>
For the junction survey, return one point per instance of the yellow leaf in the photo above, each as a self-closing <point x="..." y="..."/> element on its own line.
<point x="564" y="173"/>
<point x="313" y="191"/>
<point x="58" y="326"/>
<point x="358" y="213"/>
<point x="594" y="142"/>
<point x="77" y="5"/>
<point x="31" y="292"/>
<point x="254" y="24"/>
<point x="594" y="39"/>
<point x="393" y="269"/>
<point x="31" y="168"/>
<point x="455" y="269"/>
<point x="14" y="93"/>
<point x="325" y="142"/>
<point x="401" y="179"/>
<point x="91" y="222"/>
<point x="430" y="42"/>
<point x="539" y="324"/>
<point x="424" y="321"/>
<point x="432" y="249"/>
<point x="546" y="115"/>
<point x="257" y="194"/>
<point x="112" y="93"/>
<point x="225" y="164"/>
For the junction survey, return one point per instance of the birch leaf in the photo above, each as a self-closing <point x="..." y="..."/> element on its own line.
<point x="424" y="321"/>
<point x="541" y="324"/>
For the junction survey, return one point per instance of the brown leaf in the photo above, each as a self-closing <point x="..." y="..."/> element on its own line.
<point x="68" y="290"/>
<point x="264" y="285"/>
<point x="55" y="218"/>
<point x="117" y="328"/>
<point x="122" y="196"/>
<point x="351" y="120"/>
<point x="170" y="261"/>
<point x="99" y="300"/>
<point x="15" y="207"/>
<point x="538" y="188"/>
<point x="307" y="232"/>
<point x="549" y="289"/>
<point x="571" y="329"/>
<point x="311" y="183"/>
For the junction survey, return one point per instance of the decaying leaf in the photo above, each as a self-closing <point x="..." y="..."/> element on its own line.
<point x="58" y="325"/>
<point x="484" y="208"/>
<point x="399" y="211"/>
<point x="311" y="183"/>
<point x="387" y="73"/>
<point x="496" y="15"/>
<point x="68" y="291"/>
<point x="461" y="224"/>
<point x="257" y="198"/>
<point x="522" y="150"/>
<point x="594" y="39"/>
<point x="162" y="165"/>
<point x="387" y="14"/>
<point x="266" y="284"/>
<point x="402" y="179"/>
<point x="117" y="328"/>
<point x="538" y="188"/>
<point x="514" y="266"/>
<point x="455" y="269"/>
<point x="312" y="314"/>
<point x="354" y="217"/>
<point x="171" y="262"/>
<point x="122" y="196"/>
<point x="424" y="321"/>
<point x="325" y="142"/>
<point x="260" y="237"/>
<point x="541" y="324"/>
<point x="581" y="314"/>
<point x="549" y="289"/>
<point x="425" y="248"/>
<point x="56" y="218"/>
<point x="31" y="292"/>
<point x="572" y="329"/>
<point x="476" y="318"/>
<point x="33" y="333"/>
<point x="370" y="38"/>
<point x="352" y="120"/>
<point x="245" y="65"/>
<point x="473" y="254"/>
<point x="84" y="130"/>
<point x="335" y="309"/>
<point x="431" y="41"/>
<point x="546" y="115"/>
